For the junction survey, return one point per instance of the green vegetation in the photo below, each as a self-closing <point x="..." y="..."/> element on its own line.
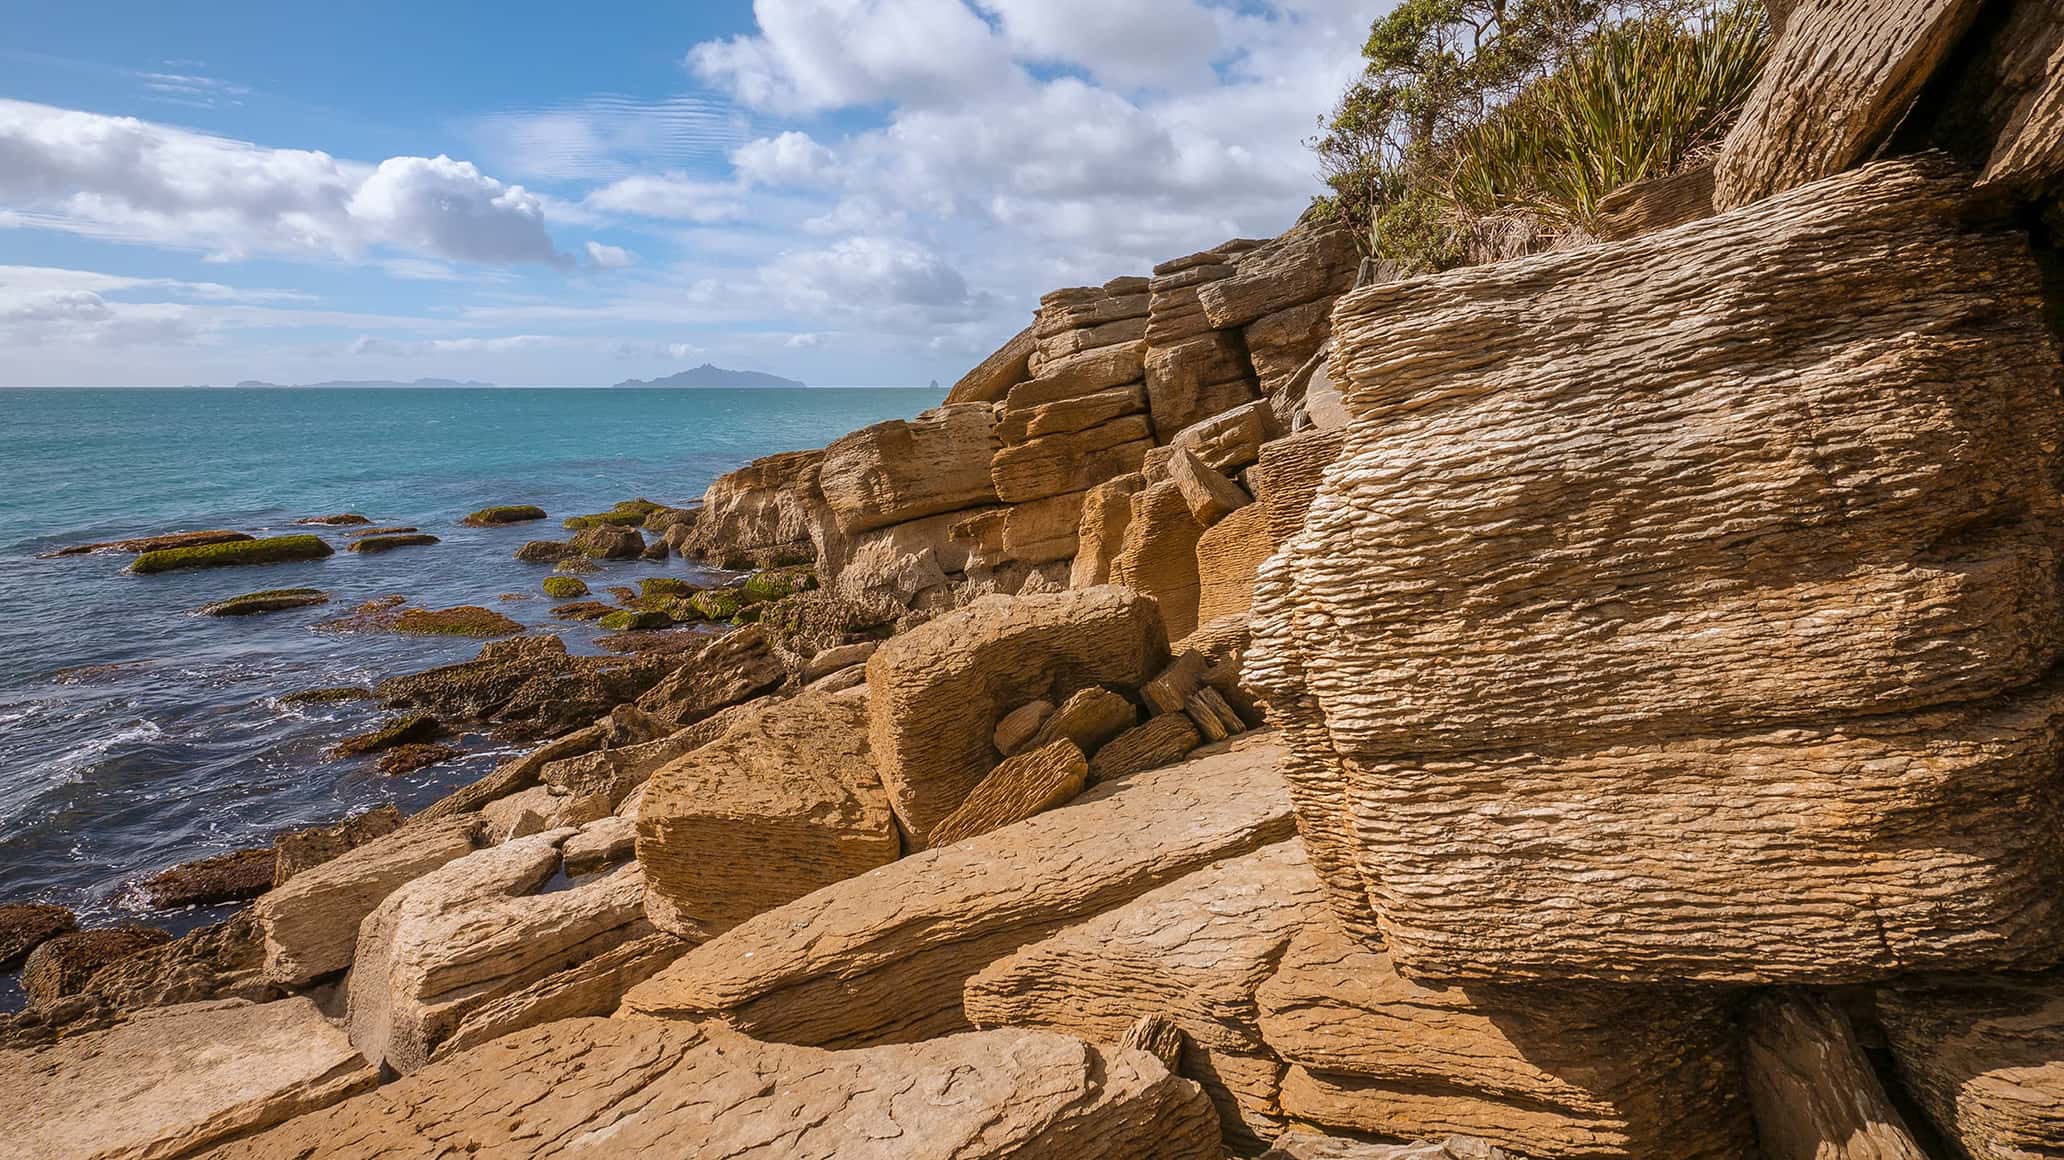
<point x="543" y="551"/>
<point x="372" y="544"/>
<point x="666" y="586"/>
<point x="619" y="519"/>
<point x="270" y="600"/>
<point x="631" y="620"/>
<point x="775" y="584"/>
<point x="274" y="550"/>
<point x="642" y="506"/>
<point x="716" y="603"/>
<point x="514" y="513"/>
<point x="578" y="563"/>
<point x="400" y="731"/>
<point x="1473" y="112"/>
<point x="465" y="620"/>
<point x="340" y="520"/>
<point x="565" y="587"/>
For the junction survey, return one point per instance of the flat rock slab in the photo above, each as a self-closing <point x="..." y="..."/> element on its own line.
<point x="176" y="1080"/>
<point x="639" y="1087"/>
<point x="883" y="957"/>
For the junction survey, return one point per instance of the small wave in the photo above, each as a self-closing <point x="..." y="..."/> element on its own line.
<point x="15" y="714"/>
<point x="70" y="766"/>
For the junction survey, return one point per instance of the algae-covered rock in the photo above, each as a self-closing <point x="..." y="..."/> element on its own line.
<point x="666" y="586"/>
<point x="777" y="583"/>
<point x="328" y="696"/>
<point x="543" y="551"/>
<point x="270" y="600"/>
<point x="632" y="619"/>
<point x="412" y="757"/>
<point x="372" y="544"/>
<point x="389" y="530"/>
<point x="340" y="520"/>
<point x="717" y="603"/>
<point x="409" y="730"/>
<point x="603" y="519"/>
<point x="582" y="609"/>
<point x="577" y="565"/>
<point x="159" y="542"/>
<point x="517" y="513"/>
<point x="230" y="877"/>
<point x="465" y="620"/>
<point x="271" y="550"/>
<point x="565" y="587"/>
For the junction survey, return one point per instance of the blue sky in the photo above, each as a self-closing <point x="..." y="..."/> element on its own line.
<point x="850" y="192"/>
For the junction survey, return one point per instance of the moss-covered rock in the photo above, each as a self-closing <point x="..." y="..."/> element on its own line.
<point x="623" y="593"/>
<point x="159" y="543"/>
<point x="340" y="520"/>
<point x="394" y="530"/>
<point x="372" y="544"/>
<point x="270" y="600"/>
<point x="717" y="603"/>
<point x="635" y="620"/>
<point x="642" y="506"/>
<point x="578" y="564"/>
<point x="565" y="587"/>
<point x="603" y="519"/>
<point x="465" y="620"/>
<point x="410" y="730"/>
<point x="513" y="513"/>
<point x="777" y="583"/>
<point x="410" y="758"/>
<point x="328" y="696"/>
<point x="666" y="586"/>
<point x="272" y="550"/>
<point x="609" y="542"/>
<point x="582" y="610"/>
<point x="544" y="551"/>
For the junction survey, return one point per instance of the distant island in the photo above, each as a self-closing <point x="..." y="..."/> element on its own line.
<point x="715" y="376"/>
<point x="370" y="383"/>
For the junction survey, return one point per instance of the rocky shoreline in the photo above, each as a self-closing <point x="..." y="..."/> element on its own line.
<point x="1599" y="703"/>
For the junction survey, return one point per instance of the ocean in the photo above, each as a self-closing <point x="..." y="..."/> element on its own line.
<point x="136" y="735"/>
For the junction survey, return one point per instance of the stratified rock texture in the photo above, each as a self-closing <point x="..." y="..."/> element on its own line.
<point x="1838" y="81"/>
<point x="786" y="801"/>
<point x="1303" y="1144"/>
<point x="61" y="966"/>
<point x="1158" y="555"/>
<point x="881" y="958"/>
<point x="1985" y="1060"/>
<point x="938" y="691"/>
<point x="1544" y="1071"/>
<point x="1815" y="1093"/>
<point x="1164" y="739"/>
<point x="298" y="850"/>
<point x="591" y="987"/>
<point x="1229" y="555"/>
<point x="993" y="378"/>
<point x="311" y="923"/>
<point x="1029" y="783"/>
<point x="1100" y="534"/>
<point x="638" y="1087"/>
<point x="907" y="469"/>
<point x="760" y="511"/>
<point x="1313" y="260"/>
<point x="2003" y="111"/>
<point x="1194" y="950"/>
<point x="175" y="1081"/>
<point x="1684" y="665"/>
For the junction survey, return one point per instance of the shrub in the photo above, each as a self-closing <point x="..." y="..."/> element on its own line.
<point x="514" y="513"/>
<point x="273" y="550"/>
<point x="565" y="587"/>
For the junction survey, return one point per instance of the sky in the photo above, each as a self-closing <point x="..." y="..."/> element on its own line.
<point x="849" y="192"/>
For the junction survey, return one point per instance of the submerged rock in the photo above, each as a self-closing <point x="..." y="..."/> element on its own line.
<point x="26" y="925"/>
<point x="218" y="554"/>
<point x="527" y="685"/>
<point x="159" y="543"/>
<point x="229" y="877"/>
<point x="488" y="517"/>
<point x="543" y="551"/>
<point x="270" y="600"/>
<point x="340" y="520"/>
<point x="328" y="696"/>
<point x="368" y="545"/>
<point x="399" y="731"/>
<point x="409" y="758"/>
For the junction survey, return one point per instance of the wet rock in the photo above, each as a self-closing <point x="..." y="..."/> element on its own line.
<point x="527" y="686"/>
<point x="882" y="957"/>
<point x="394" y="530"/>
<point x="222" y="961"/>
<point x="60" y="966"/>
<point x="370" y="545"/>
<point x="299" y="850"/>
<point x="334" y="694"/>
<point x="488" y="517"/>
<point x="270" y="600"/>
<point x="159" y="543"/>
<point x="786" y="801"/>
<point x="634" y="620"/>
<point x="406" y="759"/>
<point x="582" y="609"/>
<point x="26" y="925"/>
<point x="224" y="553"/>
<point x="409" y="730"/>
<point x="544" y="551"/>
<point x="177" y="1081"/>
<point x="608" y="542"/>
<point x="938" y="690"/>
<point x="1020" y="1094"/>
<point x="230" y="877"/>
<point x="1019" y="787"/>
<point x="564" y="587"/>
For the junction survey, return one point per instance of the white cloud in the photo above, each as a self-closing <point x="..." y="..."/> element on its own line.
<point x="790" y="159"/>
<point x="822" y="54"/>
<point x="368" y="344"/>
<point x="1133" y="44"/>
<point x="670" y="195"/>
<point x="124" y="178"/>
<point x="607" y="137"/>
<point x="872" y="275"/>
<point x="609" y="257"/>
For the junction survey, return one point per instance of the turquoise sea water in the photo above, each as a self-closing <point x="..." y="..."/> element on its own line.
<point x="174" y="745"/>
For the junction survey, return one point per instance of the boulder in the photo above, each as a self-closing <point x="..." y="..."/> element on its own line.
<point x="1984" y="1058"/>
<point x="1158" y="555"/>
<point x="1074" y="461"/>
<point x="1196" y="379"/>
<point x="1519" y="668"/>
<point x="639" y="1087"/>
<point x="1043" y="531"/>
<point x="1227" y="441"/>
<point x="732" y="668"/>
<point x="471" y="932"/>
<point x="1072" y="413"/>
<point x="1550" y="1072"/>
<point x="230" y="877"/>
<point x="1210" y="496"/>
<point x="1077" y="307"/>
<point x="26" y="925"/>
<point x="905" y="469"/>
<point x="310" y="924"/>
<point x="1020" y="786"/>
<point x="1313" y="260"/>
<point x="61" y="965"/>
<point x="902" y="563"/>
<point x="1090" y="718"/>
<point x="994" y="376"/>
<point x="1193" y="951"/>
<point x="784" y="802"/>
<point x="608" y="542"/>
<point x="521" y="814"/>
<point x="1161" y="741"/>
<point x="760" y="512"/>
<point x="1100" y="533"/>
<point x="177" y="1081"/>
<point x="1229" y="555"/>
<point x="588" y="988"/>
<point x="1838" y="80"/>
<point x="831" y="660"/>
<point x="939" y="689"/>
<point x="1815" y="1093"/>
<point x="1017" y="727"/>
<point x="1085" y="373"/>
<point x="1279" y="344"/>
<point x="882" y="958"/>
<point x="602" y="843"/>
